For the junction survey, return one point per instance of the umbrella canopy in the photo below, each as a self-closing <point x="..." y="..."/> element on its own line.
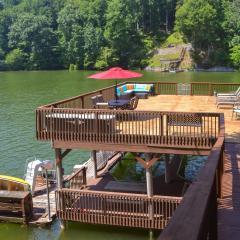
<point x="116" y="73"/>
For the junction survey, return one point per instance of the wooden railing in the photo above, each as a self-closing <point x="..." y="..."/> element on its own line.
<point x="196" y="88"/>
<point x="145" y="128"/>
<point x="204" y="88"/>
<point x="120" y="209"/>
<point x="77" y="180"/>
<point x="196" y="216"/>
<point x="84" y="101"/>
<point x="170" y="88"/>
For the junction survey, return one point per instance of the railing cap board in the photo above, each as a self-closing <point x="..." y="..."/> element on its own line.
<point x="210" y="114"/>
<point x="70" y="177"/>
<point x="142" y="196"/>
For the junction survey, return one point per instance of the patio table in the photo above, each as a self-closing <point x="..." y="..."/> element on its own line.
<point x="118" y="103"/>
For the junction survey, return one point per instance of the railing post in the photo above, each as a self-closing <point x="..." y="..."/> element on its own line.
<point x="94" y="161"/>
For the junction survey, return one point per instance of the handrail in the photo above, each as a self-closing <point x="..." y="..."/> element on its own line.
<point x="201" y="221"/>
<point x="74" y="174"/>
<point x="112" y="208"/>
<point x="145" y="128"/>
<point x="168" y="88"/>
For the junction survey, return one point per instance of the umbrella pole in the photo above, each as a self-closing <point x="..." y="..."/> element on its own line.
<point x="116" y="97"/>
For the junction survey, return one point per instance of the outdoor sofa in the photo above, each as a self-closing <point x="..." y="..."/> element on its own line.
<point x="127" y="91"/>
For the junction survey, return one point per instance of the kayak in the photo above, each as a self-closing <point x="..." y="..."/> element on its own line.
<point x="9" y="183"/>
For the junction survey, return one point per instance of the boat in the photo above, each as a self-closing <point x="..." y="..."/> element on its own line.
<point x="175" y="70"/>
<point x="9" y="183"/>
<point x="35" y="173"/>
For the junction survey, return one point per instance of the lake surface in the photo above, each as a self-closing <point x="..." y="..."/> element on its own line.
<point x="21" y="93"/>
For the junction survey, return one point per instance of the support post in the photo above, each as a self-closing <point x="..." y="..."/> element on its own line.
<point x="149" y="190"/>
<point x="171" y="167"/>
<point x="94" y="161"/>
<point x="59" y="175"/>
<point x="167" y="169"/>
<point x="48" y="198"/>
<point x="59" y="168"/>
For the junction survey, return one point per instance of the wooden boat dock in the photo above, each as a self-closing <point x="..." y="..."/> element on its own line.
<point x="40" y="209"/>
<point x="166" y="123"/>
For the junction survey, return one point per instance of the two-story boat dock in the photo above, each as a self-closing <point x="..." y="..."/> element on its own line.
<point x="166" y="123"/>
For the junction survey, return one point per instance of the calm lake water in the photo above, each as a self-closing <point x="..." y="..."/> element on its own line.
<point x="21" y="93"/>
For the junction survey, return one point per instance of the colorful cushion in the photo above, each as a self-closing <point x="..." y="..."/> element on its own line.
<point x="124" y="88"/>
<point x="130" y="86"/>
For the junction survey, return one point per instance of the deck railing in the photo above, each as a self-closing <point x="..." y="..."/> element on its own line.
<point x="146" y="128"/>
<point x="196" y="216"/>
<point x="170" y="88"/>
<point x="119" y="209"/>
<point x="78" y="179"/>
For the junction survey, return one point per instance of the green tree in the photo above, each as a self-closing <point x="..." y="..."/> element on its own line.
<point x="121" y="31"/>
<point x="16" y="59"/>
<point x="34" y="36"/>
<point x="106" y="58"/>
<point x="93" y="38"/>
<point x="200" y="23"/>
<point x="235" y="56"/>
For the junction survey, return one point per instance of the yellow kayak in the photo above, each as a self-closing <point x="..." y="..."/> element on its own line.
<point x="9" y="183"/>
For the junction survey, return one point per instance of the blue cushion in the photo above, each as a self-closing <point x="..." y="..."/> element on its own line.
<point x="124" y="88"/>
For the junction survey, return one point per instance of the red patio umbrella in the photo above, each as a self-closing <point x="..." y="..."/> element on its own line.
<point x="116" y="73"/>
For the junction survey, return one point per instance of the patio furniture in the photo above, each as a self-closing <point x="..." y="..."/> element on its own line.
<point x="80" y="122"/>
<point x="233" y="94"/>
<point x="133" y="103"/>
<point x="118" y="104"/>
<point x="130" y="89"/>
<point x="236" y="110"/>
<point x="98" y="102"/>
<point x="228" y="100"/>
<point x="176" y="123"/>
<point x="142" y="95"/>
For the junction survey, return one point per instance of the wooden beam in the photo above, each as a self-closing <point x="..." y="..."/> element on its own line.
<point x="64" y="154"/>
<point x="131" y="148"/>
<point x="146" y="164"/>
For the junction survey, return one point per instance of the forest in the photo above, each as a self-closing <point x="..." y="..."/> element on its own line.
<point x="96" y="34"/>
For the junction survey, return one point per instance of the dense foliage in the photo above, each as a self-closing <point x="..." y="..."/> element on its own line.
<point x="213" y="28"/>
<point x="83" y="34"/>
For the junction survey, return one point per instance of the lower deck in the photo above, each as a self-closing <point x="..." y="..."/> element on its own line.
<point x="107" y="183"/>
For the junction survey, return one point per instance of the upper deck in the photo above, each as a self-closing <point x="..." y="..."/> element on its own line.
<point x="164" y="123"/>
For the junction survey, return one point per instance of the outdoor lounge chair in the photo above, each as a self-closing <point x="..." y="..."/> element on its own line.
<point x="231" y="94"/>
<point x="228" y="100"/>
<point x="236" y="109"/>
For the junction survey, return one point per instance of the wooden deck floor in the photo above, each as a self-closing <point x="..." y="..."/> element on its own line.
<point x="229" y="206"/>
<point x="193" y="104"/>
<point x="40" y="216"/>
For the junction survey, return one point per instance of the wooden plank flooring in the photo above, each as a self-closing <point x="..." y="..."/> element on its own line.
<point x="229" y="205"/>
<point x="174" y="103"/>
<point x="40" y="217"/>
